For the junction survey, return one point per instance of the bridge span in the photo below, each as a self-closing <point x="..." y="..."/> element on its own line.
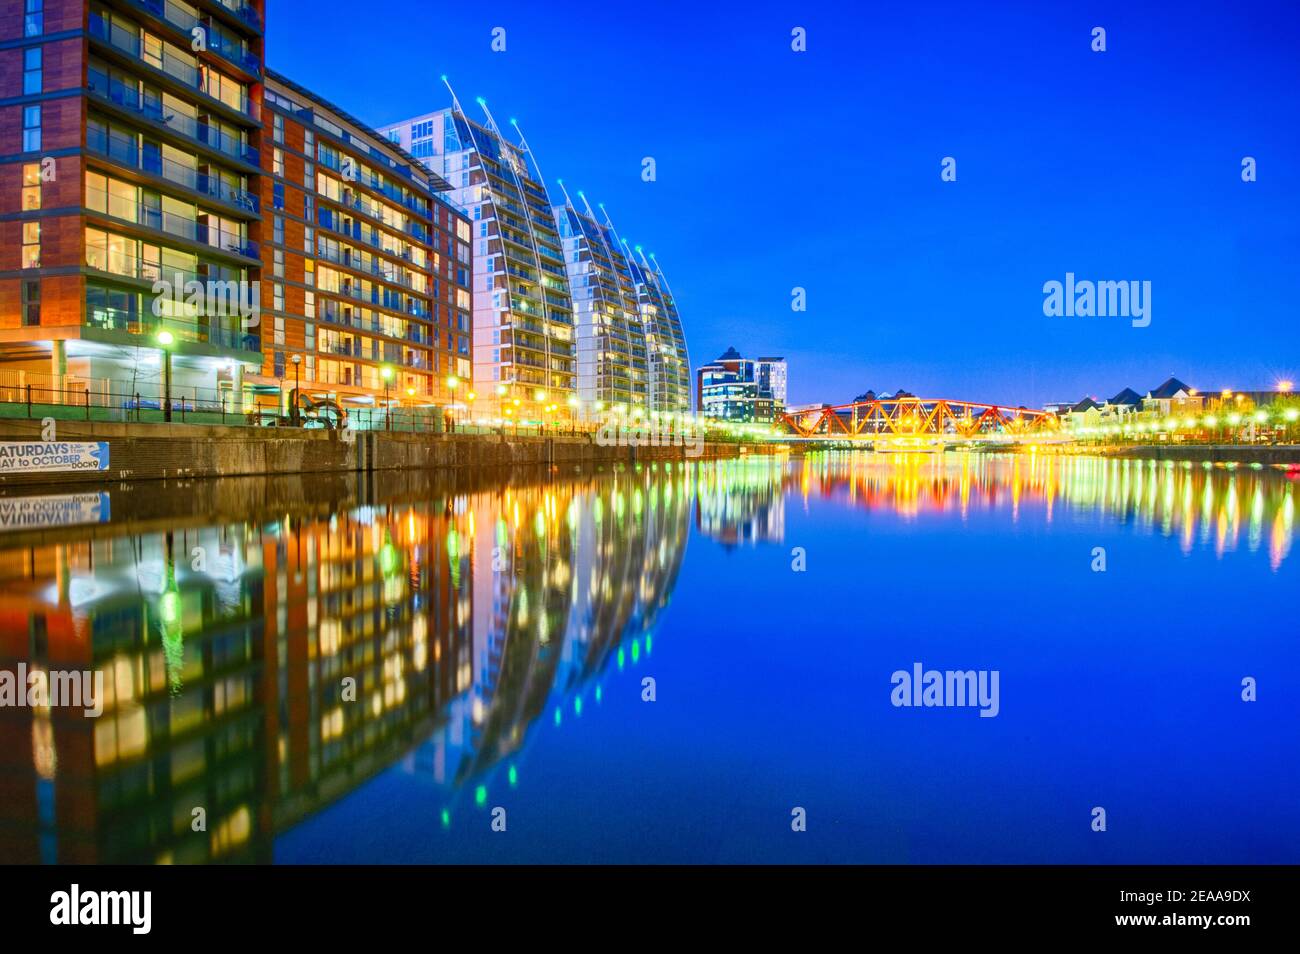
<point x="920" y="424"/>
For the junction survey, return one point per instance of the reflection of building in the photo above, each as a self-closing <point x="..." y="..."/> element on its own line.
<point x="733" y="388"/>
<point x="227" y="652"/>
<point x="563" y="576"/>
<point x="742" y="501"/>
<point x="263" y="667"/>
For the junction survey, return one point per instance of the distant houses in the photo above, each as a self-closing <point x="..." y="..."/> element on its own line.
<point x="1175" y="406"/>
<point x="1172" y="397"/>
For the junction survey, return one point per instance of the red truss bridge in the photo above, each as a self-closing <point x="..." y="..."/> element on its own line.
<point x="912" y="423"/>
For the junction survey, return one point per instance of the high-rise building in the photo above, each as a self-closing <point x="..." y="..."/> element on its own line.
<point x="131" y="158"/>
<point x="771" y="380"/>
<point x="670" y="375"/>
<point x="611" y="336"/>
<point x="366" y="265"/>
<point x="525" y="362"/>
<point x="738" y="389"/>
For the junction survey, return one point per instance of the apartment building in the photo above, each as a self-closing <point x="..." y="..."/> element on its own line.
<point x="366" y="266"/>
<point x="132" y="132"/>
<point x="524" y="352"/>
<point x="178" y="224"/>
<point x="613" y="369"/>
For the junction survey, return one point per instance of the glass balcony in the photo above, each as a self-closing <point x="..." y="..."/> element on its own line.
<point x="169" y="63"/>
<point x="125" y="152"/>
<point x="117" y="93"/>
<point x="218" y="40"/>
<point x="151" y="217"/>
<point x="209" y="331"/>
<point x="244" y="12"/>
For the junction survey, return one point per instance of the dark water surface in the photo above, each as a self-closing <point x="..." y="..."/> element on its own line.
<point x="500" y="633"/>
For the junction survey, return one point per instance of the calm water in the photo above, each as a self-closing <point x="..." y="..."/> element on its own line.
<point x="500" y="632"/>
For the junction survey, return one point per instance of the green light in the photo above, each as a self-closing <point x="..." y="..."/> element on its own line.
<point x="513" y="775"/>
<point x="170" y="607"/>
<point x="446" y="818"/>
<point x="165" y="338"/>
<point x="480" y="795"/>
<point x="577" y="705"/>
<point x="388" y="560"/>
<point x="558" y="716"/>
<point x="600" y="694"/>
<point x="649" y="642"/>
<point x="620" y="659"/>
<point x="636" y="650"/>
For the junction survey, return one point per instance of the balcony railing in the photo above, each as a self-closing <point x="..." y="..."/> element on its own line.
<point x="201" y="331"/>
<point x="244" y="12"/>
<point x="119" y="94"/>
<point x="126" y="153"/>
<point x="171" y="223"/>
<point x="218" y="41"/>
<point x="168" y="63"/>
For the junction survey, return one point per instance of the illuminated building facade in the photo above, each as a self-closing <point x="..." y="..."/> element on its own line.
<point x="524" y="355"/>
<point x="611" y="336"/>
<point x="367" y="266"/>
<point x="670" y="376"/>
<point x="174" y="209"/>
<point x="739" y="389"/>
<point x="131" y="155"/>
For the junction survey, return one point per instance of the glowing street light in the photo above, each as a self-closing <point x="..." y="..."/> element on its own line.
<point x="386" y="372"/>
<point x="166" y="339"/>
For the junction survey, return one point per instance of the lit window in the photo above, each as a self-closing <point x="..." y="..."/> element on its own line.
<point x="31" y="186"/>
<point x="31" y="245"/>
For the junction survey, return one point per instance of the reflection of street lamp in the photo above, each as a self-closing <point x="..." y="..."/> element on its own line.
<point x="297" y="386"/>
<point x="166" y="339"/>
<point x="386" y="372"/>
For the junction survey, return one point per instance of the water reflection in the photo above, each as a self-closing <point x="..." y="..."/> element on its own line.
<point x="1223" y="507"/>
<point x="266" y="662"/>
<point x="259" y="669"/>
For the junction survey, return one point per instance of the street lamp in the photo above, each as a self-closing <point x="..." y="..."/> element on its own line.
<point x="297" y="388"/>
<point x="453" y="383"/>
<point x="166" y="339"/>
<point x="386" y="372"/>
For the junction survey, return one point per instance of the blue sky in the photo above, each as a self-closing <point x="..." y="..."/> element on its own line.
<point x="821" y="170"/>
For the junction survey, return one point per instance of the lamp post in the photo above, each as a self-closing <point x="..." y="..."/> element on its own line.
<point x="386" y="372"/>
<point x="453" y="382"/>
<point x="501" y="399"/>
<point x="539" y="396"/>
<point x="165" y="339"/>
<point x="297" y="389"/>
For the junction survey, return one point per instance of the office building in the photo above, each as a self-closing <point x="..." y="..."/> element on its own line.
<point x="738" y="389"/>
